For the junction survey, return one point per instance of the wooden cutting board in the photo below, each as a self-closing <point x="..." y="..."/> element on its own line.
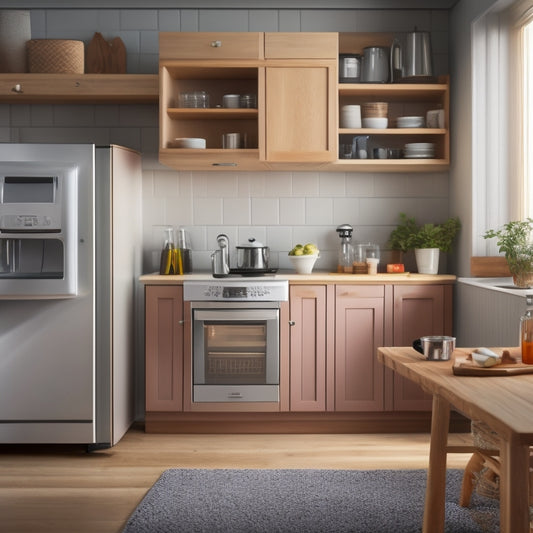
<point x="463" y="364"/>
<point x="103" y="57"/>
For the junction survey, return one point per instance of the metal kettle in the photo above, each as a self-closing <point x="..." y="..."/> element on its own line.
<point x="411" y="57"/>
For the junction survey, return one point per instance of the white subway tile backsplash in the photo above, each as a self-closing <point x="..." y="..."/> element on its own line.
<point x="279" y="238"/>
<point x="265" y="211"/>
<point x="391" y="185"/>
<point x="38" y="23"/>
<point x="360" y="184"/>
<point x="318" y="211"/>
<point x="279" y="183"/>
<point x="207" y="211"/>
<point x="166" y="184"/>
<point x="236" y="211"/>
<point x="77" y="116"/>
<point x="292" y="211"/>
<point x="332" y="184"/>
<point x="305" y="184"/>
<point x="346" y="211"/>
<point x="336" y="20"/>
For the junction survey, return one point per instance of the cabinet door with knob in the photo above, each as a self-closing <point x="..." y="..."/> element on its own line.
<point x="419" y="310"/>
<point x="164" y="347"/>
<point x="307" y="348"/>
<point x="359" y="330"/>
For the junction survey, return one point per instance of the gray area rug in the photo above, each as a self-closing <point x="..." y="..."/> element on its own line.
<point x="311" y="501"/>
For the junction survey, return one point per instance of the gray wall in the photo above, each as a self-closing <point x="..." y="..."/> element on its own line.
<point x="277" y="208"/>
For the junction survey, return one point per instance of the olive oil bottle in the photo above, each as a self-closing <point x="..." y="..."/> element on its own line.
<point x="169" y="257"/>
<point x="526" y="332"/>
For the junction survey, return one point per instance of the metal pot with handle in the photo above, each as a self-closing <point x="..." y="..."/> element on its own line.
<point x="411" y="56"/>
<point x="252" y="255"/>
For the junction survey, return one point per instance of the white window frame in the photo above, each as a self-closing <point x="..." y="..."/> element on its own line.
<point x="497" y="173"/>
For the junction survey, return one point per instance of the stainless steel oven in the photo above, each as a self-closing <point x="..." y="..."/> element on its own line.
<point x="235" y="338"/>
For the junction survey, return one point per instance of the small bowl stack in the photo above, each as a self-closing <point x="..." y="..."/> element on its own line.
<point x="374" y="115"/>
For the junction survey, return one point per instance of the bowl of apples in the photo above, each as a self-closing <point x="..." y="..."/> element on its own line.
<point x="303" y="257"/>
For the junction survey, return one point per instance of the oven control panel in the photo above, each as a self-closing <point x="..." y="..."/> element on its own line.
<point x="238" y="290"/>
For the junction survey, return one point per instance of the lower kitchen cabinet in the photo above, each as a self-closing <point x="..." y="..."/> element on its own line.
<point x="308" y="347"/>
<point x="164" y="347"/>
<point x="359" y="331"/>
<point x="330" y="379"/>
<point x="334" y="334"/>
<point x="418" y="310"/>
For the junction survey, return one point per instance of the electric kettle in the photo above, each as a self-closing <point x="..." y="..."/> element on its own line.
<point x="411" y="58"/>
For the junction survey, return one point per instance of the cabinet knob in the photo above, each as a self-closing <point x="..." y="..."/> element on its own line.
<point x="292" y="323"/>
<point x="216" y="44"/>
<point x="17" y="88"/>
<point x="181" y="322"/>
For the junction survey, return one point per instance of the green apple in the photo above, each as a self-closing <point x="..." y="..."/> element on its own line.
<point x="299" y="248"/>
<point x="310" y="249"/>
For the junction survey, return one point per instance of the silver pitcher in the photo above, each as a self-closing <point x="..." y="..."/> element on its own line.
<point x="411" y="56"/>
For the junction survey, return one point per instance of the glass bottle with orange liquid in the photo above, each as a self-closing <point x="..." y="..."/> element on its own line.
<point x="526" y="332"/>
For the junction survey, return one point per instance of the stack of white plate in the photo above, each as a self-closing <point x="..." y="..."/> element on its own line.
<point x="187" y="142"/>
<point x="419" y="150"/>
<point x="410" y="122"/>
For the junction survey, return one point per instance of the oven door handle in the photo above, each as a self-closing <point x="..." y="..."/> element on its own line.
<point x="236" y="314"/>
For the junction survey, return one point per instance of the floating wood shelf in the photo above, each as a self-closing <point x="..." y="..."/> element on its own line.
<point x="79" y="88"/>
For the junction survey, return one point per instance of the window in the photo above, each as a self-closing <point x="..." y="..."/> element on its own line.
<point x="502" y="137"/>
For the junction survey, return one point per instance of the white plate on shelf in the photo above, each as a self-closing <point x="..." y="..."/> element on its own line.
<point x="418" y="156"/>
<point x="410" y="122"/>
<point x="188" y="142"/>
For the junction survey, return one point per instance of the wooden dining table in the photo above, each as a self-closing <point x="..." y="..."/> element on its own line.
<point x="504" y="402"/>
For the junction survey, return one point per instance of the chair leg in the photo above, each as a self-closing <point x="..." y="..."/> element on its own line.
<point x="475" y="464"/>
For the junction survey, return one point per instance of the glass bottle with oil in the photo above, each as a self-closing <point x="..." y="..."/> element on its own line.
<point x="169" y="257"/>
<point x="526" y="332"/>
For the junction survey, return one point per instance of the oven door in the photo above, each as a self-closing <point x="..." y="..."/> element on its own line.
<point x="235" y="353"/>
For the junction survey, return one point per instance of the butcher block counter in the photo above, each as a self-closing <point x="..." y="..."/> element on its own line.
<point x="330" y="380"/>
<point x="315" y="277"/>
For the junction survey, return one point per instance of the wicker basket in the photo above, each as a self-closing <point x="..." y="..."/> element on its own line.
<point x="374" y="110"/>
<point x="55" y="56"/>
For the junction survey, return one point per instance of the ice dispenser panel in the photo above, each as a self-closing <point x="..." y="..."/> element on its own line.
<point x="38" y="231"/>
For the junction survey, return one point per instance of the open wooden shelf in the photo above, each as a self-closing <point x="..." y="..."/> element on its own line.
<point x="79" y="88"/>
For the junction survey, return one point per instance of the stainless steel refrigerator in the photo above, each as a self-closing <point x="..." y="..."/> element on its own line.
<point x="70" y="257"/>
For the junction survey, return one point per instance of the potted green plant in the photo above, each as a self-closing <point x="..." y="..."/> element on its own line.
<point x="431" y="238"/>
<point x="515" y="242"/>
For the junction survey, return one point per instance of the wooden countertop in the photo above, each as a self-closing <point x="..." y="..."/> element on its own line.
<point x="317" y="277"/>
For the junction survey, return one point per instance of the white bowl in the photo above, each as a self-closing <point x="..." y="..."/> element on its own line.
<point x="376" y="123"/>
<point x="189" y="142"/>
<point x="303" y="264"/>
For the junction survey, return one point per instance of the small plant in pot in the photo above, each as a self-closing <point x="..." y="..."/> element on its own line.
<point x="515" y="241"/>
<point x="408" y="235"/>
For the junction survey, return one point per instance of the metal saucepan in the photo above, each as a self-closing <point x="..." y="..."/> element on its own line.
<point x="435" y="348"/>
<point x="252" y="255"/>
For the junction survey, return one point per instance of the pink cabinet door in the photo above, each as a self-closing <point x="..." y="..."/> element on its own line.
<point x="418" y="311"/>
<point x="359" y="330"/>
<point x="308" y="348"/>
<point x="164" y="347"/>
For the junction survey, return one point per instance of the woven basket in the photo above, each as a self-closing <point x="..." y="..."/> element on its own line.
<point x="374" y="110"/>
<point x="57" y="56"/>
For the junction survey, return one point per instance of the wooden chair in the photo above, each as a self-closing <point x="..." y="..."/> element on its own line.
<point x="482" y="472"/>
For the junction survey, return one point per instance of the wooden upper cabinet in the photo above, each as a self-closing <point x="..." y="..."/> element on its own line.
<point x="301" y="45"/>
<point x="210" y="45"/>
<point x="300" y="112"/>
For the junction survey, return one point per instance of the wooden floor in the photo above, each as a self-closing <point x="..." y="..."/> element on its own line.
<point x="63" y="489"/>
